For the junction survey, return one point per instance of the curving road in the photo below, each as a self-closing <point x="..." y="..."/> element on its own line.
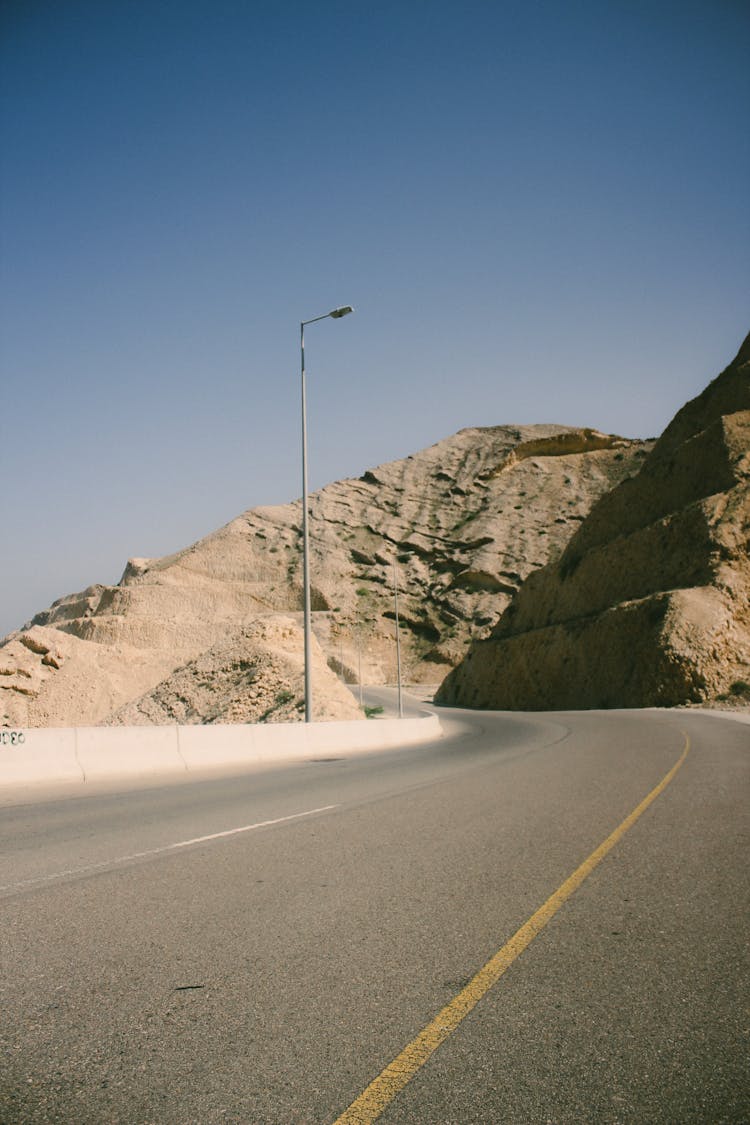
<point x="258" y="948"/>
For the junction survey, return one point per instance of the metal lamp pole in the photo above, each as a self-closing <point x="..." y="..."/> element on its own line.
<point x="398" y="641"/>
<point x="335" y="314"/>
<point x="359" y="664"/>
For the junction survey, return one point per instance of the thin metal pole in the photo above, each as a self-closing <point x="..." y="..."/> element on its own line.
<point x="305" y="538"/>
<point x="398" y="641"/>
<point x="337" y="313"/>
<point x="359" y="664"/>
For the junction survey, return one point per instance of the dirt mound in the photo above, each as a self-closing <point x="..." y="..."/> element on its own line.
<point x="257" y="677"/>
<point x="49" y="677"/>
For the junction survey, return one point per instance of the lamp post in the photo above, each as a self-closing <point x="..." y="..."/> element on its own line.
<point x="398" y="641"/>
<point x="335" y="314"/>
<point x="359" y="664"/>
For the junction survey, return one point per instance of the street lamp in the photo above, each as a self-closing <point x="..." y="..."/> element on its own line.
<point x="336" y="314"/>
<point x="398" y="641"/>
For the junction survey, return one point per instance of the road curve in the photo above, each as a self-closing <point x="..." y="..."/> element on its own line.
<point x="259" y="948"/>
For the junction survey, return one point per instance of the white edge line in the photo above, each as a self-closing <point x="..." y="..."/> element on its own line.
<point x="246" y="828"/>
<point x="164" y="849"/>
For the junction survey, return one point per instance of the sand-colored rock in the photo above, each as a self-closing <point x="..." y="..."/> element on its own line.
<point x="467" y="521"/>
<point x="256" y="677"/>
<point x="649" y="604"/>
<point x="52" y="678"/>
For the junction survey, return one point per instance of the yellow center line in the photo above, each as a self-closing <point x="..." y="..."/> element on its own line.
<point x="373" y="1101"/>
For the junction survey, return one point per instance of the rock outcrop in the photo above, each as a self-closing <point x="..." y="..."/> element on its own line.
<point x="256" y="677"/>
<point x="49" y="677"/>
<point x="649" y="603"/>
<point x="466" y="521"/>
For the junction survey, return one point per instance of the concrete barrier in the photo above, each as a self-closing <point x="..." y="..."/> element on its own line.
<point x="42" y="754"/>
<point x="220" y="744"/>
<point x="229" y="744"/>
<point x="108" y="751"/>
<point x="46" y="754"/>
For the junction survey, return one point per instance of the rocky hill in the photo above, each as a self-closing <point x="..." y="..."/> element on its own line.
<point x="649" y="603"/>
<point x="465" y="521"/>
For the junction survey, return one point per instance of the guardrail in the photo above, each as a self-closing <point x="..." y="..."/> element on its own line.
<point x="51" y="754"/>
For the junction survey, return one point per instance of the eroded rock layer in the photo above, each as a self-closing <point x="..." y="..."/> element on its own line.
<point x="465" y="521"/>
<point x="649" y="603"/>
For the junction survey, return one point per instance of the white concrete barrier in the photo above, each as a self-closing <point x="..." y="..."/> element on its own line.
<point x="42" y="754"/>
<point x="378" y="734"/>
<point x="108" y="751"/>
<point x="219" y="744"/>
<point x="224" y="744"/>
<point x="46" y="754"/>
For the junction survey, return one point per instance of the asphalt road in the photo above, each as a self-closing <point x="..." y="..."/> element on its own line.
<point x="256" y="949"/>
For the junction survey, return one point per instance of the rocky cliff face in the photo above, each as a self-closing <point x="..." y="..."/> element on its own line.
<point x="465" y="521"/>
<point x="649" y="603"/>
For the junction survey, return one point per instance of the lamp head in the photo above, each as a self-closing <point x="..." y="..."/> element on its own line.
<point x="343" y="311"/>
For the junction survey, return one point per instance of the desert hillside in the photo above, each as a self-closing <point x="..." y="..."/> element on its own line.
<point x="466" y="521"/>
<point x="649" y="604"/>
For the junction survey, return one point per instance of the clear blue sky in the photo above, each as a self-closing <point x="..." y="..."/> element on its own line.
<point x="538" y="209"/>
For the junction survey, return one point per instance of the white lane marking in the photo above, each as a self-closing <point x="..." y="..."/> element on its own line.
<point x="164" y="849"/>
